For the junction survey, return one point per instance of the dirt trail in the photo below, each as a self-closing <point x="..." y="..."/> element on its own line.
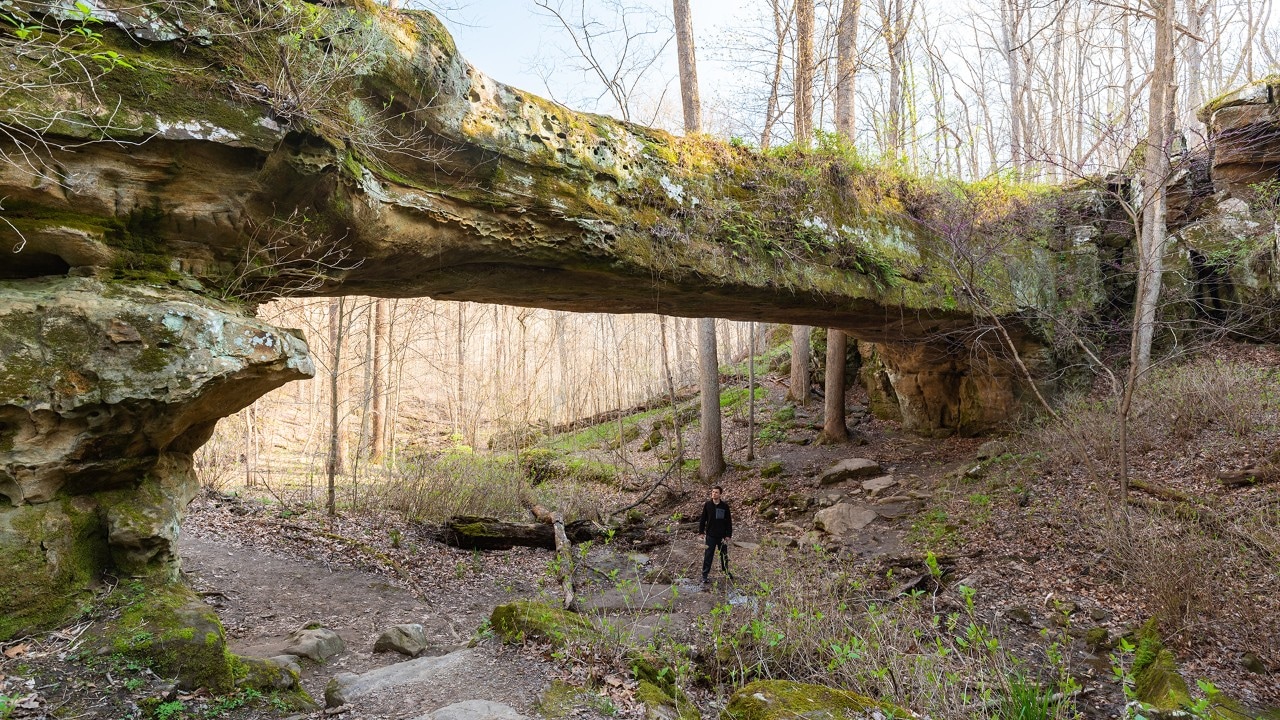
<point x="262" y="597"/>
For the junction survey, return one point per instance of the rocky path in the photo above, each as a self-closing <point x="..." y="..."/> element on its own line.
<point x="262" y="598"/>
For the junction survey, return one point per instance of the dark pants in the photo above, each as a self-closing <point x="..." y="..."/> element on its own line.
<point x="712" y="544"/>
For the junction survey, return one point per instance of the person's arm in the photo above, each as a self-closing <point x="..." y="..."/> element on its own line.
<point x="728" y="521"/>
<point x="702" y="521"/>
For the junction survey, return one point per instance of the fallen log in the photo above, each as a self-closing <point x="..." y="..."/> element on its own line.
<point x="1255" y="475"/>
<point x="481" y="533"/>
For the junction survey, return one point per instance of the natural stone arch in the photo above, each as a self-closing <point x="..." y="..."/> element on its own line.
<point x="120" y="351"/>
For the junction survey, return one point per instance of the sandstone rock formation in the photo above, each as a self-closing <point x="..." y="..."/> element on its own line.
<point x="105" y="391"/>
<point x="237" y="152"/>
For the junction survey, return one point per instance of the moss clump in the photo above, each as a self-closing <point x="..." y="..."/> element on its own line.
<point x="786" y="700"/>
<point x="773" y="469"/>
<point x="170" y="629"/>
<point x="654" y="697"/>
<point x="527" y="620"/>
<point x="1155" y="673"/>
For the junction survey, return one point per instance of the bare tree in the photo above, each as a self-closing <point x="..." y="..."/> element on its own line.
<point x="617" y="43"/>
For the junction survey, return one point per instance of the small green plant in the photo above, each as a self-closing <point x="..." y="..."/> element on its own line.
<point x="1029" y="700"/>
<point x="169" y="710"/>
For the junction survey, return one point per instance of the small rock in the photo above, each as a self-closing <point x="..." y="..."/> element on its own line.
<point x="314" y="643"/>
<point x="851" y="469"/>
<point x="799" y="503"/>
<point x="1019" y="615"/>
<point x="843" y="519"/>
<point x="745" y="545"/>
<point x="790" y="527"/>
<point x="992" y="449"/>
<point x="1253" y="664"/>
<point x="876" y="485"/>
<point x="896" y="507"/>
<point x="288" y="662"/>
<point x="1099" y="615"/>
<point x="409" y="639"/>
<point x="1098" y="640"/>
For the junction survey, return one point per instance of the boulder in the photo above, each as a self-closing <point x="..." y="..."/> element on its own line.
<point x="314" y="643"/>
<point x="843" y="519"/>
<point x="345" y="687"/>
<point x="526" y="620"/>
<point x="992" y="449"/>
<point x="474" y="710"/>
<point x="851" y="469"/>
<point x="409" y="639"/>
<point x="787" y="700"/>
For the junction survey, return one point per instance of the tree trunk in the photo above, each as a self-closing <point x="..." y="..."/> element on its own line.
<point x="803" y="130"/>
<point x="712" y="463"/>
<point x="751" y="397"/>
<point x="689" y="98"/>
<point x="799" y="392"/>
<point x="804" y="72"/>
<point x="1155" y="178"/>
<point x="377" y="430"/>
<point x="481" y="533"/>
<point x="334" y="463"/>
<point x="1010" y="23"/>
<point x="846" y="67"/>
<point x="833" y="427"/>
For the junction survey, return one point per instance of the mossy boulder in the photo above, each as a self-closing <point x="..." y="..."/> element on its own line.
<point x="167" y="627"/>
<point x="787" y="700"/>
<point x="528" y="620"/>
<point x="170" y="629"/>
<point x="662" y="705"/>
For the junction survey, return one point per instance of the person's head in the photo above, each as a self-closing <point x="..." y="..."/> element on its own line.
<point x="716" y="492"/>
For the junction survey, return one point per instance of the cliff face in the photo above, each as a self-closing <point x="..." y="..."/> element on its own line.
<point x="187" y="156"/>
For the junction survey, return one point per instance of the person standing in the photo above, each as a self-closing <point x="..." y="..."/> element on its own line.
<point x="717" y="524"/>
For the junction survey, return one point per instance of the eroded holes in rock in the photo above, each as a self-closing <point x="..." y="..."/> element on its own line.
<point x="473" y="96"/>
<point x="31" y="264"/>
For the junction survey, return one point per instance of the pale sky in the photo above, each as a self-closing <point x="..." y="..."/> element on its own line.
<point x="507" y="40"/>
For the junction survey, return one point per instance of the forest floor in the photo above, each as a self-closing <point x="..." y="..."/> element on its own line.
<point x="1023" y="536"/>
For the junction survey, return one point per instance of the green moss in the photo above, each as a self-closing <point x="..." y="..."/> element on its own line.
<point x="786" y="700"/>
<point x="169" y="628"/>
<point x="1155" y="672"/>
<point x="527" y="620"/>
<point x="655" y="697"/>
<point x="52" y="552"/>
<point x="772" y="469"/>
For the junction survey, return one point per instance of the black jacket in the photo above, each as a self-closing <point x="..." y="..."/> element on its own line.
<point x="716" y="520"/>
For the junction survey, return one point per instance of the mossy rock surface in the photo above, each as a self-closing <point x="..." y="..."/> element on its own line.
<point x="786" y="700"/>
<point x="527" y="620"/>
<point x="662" y="705"/>
<point x="51" y="553"/>
<point x="177" y="635"/>
<point x="1155" y="673"/>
